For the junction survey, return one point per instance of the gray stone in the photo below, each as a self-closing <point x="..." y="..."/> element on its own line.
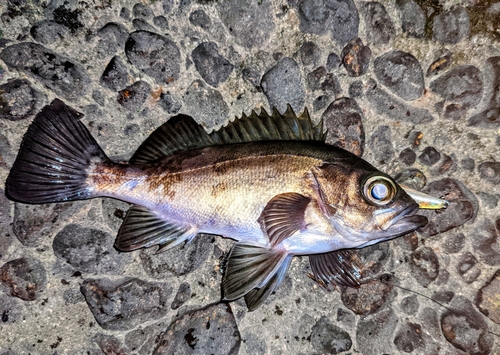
<point x="453" y="243"/>
<point x="142" y="11"/>
<point x="12" y="310"/>
<point x="170" y="103"/>
<point x="380" y="29"/>
<point x="142" y="25"/>
<point x="410" y="305"/>
<point x="183" y="294"/>
<point x="112" y="37"/>
<point x="486" y="298"/>
<point x="407" y="156"/>
<point x="338" y="17"/>
<point x="309" y="54"/>
<point x="89" y="250"/>
<point x="24" y="278"/>
<point x="401" y="73"/>
<point x="47" y="31"/>
<point x="251" y="23"/>
<point x="468" y="268"/>
<point x="282" y="84"/>
<point x="134" y="96"/>
<point x="369" y="298"/>
<point x="161" y="22"/>
<point x="451" y="26"/>
<point x="200" y="18"/>
<point x="209" y="330"/>
<point x="205" y="104"/>
<point x="425" y="265"/>
<point x="490" y="171"/>
<point x="143" y="340"/>
<point x="381" y="144"/>
<point x="126" y="303"/>
<point x="6" y="234"/>
<point x="155" y="55"/>
<point x="412" y="18"/>
<point x="116" y="75"/>
<point x="490" y="117"/>
<point x="19" y="100"/>
<point x="486" y="243"/>
<point x="65" y="77"/>
<point x="409" y="337"/>
<point x="125" y="14"/>
<point x="333" y="61"/>
<point x="320" y="103"/>
<point x="110" y="345"/>
<point x="374" y="334"/>
<point x="212" y="66"/>
<point x="327" y="338"/>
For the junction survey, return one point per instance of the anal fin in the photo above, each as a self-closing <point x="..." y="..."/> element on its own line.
<point x="250" y="266"/>
<point x="143" y="228"/>
<point x="341" y="267"/>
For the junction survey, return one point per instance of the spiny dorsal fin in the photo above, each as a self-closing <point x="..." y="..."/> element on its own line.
<point x="182" y="132"/>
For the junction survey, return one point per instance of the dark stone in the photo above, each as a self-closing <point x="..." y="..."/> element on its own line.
<point x="115" y="76"/>
<point x="33" y="223"/>
<point x="467" y="268"/>
<point x="374" y="334"/>
<point x="465" y="328"/>
<point x="491" y="115"/>
<point x="315" y="78"/>
<point x="344" y="121"/>
<point x="282" y="84"/>
<point x="381" y="144"/>
<point x="374" y="257"/>
<point x="126" y="303"/>
<point x="112" y="36"/>
<point x="443" y="296"/>
<point x="133" y="96"/>
<point x="142" y="25"/>
<point x="250" y="23"/>
<point x="201" y="19"/>
<point x="463" y="206"/>
<point x="412" y="18"/>
<point x="209" y="330"/>
<point x="333" y="61"/>
<point x="356" y="57"/>
<point x="320" y="103"/>
<point x="346" y="317"/>
<point x="327" y="338"/>
<point x="454" y="112"/>
<point x="170" y="103"/>
<point x="64" y="76"/>
<point x="12" y="310"/>
<point x="488" y="200"/>
<point x="486" y="243"/>
<point x="379" y="27"/>
<point x="331" y="85"/>
<point x="253" y="77"/>
<point x="207" y="104"/>
<point x="125" y="14"/>
<point x="161" y="22"/>
<point x="410" y="305"/>
<point x="429" y="156"/>
<point x="309" y="54"/>
<point x="397" y="110"/>
<point x="425" y="265"/>
<point x="155" y="55"/>
<point x="439" y="65"/>
<point x="413" y="178"/>
<point x="68" y="18"/>
<point x="453" y="243"/>
<point x="368" y="298"/>
<point x="356" y="89"/>
<point x="401" y="73"/>
<point x="409" y="338"/>
<point x="490" y="171"/>
<point x="89" y="250"/>
<point x="407" y="156"/>
<point x="338" y="17"/>
<point x="110" y="345"/>
<point x="451" y="26"/>
<point x="143" y="340"/>
<point x="48" y="31"/>
<point x="467" y="164"/>
<point x="487" y="298"/>
<point x="177" y="261"/>
<point x="142" y="11"/>
<point x="24" y="278"/>
<point x="183" y="294"/>
<point x="19" y="100"/>
<point x="213" y="67"/>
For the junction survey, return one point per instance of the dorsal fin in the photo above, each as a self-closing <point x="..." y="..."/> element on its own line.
<point x="181" y="132"/>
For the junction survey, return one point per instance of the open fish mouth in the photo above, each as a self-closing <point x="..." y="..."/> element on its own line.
<point x="406" y="221"/>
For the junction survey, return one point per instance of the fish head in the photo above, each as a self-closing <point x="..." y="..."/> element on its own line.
<point x="366" y="205"/>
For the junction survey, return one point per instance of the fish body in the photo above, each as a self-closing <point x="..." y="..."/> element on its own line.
<point x="268" y="182"/>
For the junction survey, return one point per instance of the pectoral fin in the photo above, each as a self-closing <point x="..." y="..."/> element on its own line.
<point x="283" y="216"/>
<point x="341" y="267"/>
<point x="250" y="266"/>
<point x="143" y="228"/>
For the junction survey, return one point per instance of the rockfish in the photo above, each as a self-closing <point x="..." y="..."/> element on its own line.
<point x="270" y="182"/>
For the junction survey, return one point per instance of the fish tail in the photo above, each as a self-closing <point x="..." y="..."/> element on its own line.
<point x="56" y="155"/>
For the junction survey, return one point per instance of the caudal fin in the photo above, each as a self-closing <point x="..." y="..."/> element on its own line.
<point x="55" y="156"/>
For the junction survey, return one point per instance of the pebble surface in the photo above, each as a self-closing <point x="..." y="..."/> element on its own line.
<point x="412" y="86"/>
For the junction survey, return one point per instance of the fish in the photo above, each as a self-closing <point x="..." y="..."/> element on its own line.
<point x="268" y="181"/>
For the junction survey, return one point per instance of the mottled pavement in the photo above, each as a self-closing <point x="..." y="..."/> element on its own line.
<point x="413" y="86"/>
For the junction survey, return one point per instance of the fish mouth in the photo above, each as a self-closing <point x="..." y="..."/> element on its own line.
<point x="407" y="221"/>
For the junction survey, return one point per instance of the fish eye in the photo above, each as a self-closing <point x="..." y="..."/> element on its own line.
<point x="379" y="190"/>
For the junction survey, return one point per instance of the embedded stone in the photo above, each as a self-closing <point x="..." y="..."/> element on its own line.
<point x="439" y="65"/>
<point x="487" y="298"/>
<point x="65" y="77"/>
<point x="182" y="295"/>
<point x="47" y="31"/>
<point x="467" y="164"/>
<point x="486" y="243"/>
<point x="20" y="100"/>
<point x="467" y="267"/>
<point x="142" y="25"/>
<point x="205" y="104"/>
<point x="412" y="18"/>
<point x="425" y="265"/>
<point x="333" y="61"/>
<point x="144" y="339"/>
<point x="315" y="78"/>
<point x="401" y="73"/>
<point x="155" y="55"/>
<point x="6" y="234"/>
<point x="309" y="53"/>
<point x="327" y="338"/>
<point x="409" y="337"/>
<point x="209" y="330"/>
<point x="453" y="243"/>
<point x="253" y="77"/>
<point x="12" y="310"/>
<point x="142" y="11"/>
<point x="115" y="76"/>
<point x="490" y="117"/>
<point x="374" y="334"/>
<point x="67" y="17"/>
<point x="110" y="345"/>
<point x="161" y="22"/>
<point x="170" y="103"/>
<point x="282" y="84"/>
<point x="112" y="37"/>
<point x="24" y="278"/>
<point x="320" y="103"/>
<point x="213" y="67"/>
<point x="429" y="156"/>
<point x="451" y="26"/>
<point x="133" y="96"/>
<point x="413" y="178"/>
<point x="379" y="26"/>
<point x="407" y="156"/>
<point x="368" y="298"/>
<point x="199" y="18"/>
<point x="373" y="258"/>
<point x="344" y="121"/>
<point x="490" y="171"/>
<point x="381" y="144"/>
<point x="356" y="57"/>
<point x="410" y="305"/>
<point x="126" y="303"/>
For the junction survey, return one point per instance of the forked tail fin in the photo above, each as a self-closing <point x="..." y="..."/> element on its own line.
<point x="55" y="157"/>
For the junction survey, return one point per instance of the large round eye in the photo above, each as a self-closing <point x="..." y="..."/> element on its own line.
<point x="379" y="190"/>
